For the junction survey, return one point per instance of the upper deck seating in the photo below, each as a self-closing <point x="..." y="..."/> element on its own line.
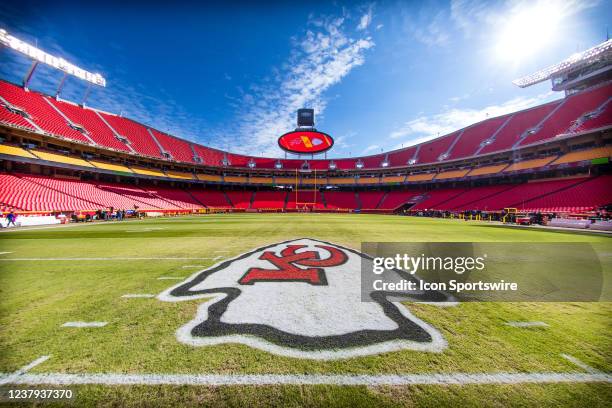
<point x="140" y="139"/>
<point x="40" y="112"/>
<point x="97" y="130"/>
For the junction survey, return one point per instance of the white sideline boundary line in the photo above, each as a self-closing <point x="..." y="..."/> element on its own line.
<point x="4" y="253"/>
<point x="21" y="377"/>
<point x="106" y="259"/>
<point x="84" y="324"/>
<point x="8" y="378"/>
<point x="303" y="379"/>
<point x="527" y="324"/>
<point x="137" y="295"/>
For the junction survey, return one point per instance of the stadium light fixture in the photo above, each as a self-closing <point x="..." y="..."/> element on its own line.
<point x="332" y="165"/>
<point x="251" y="164"/>
<point x="385" y="163"/>
<point x="278" y="165"/>
<point x="39" y="56"/>
<point x="599" y="52"/>
<point x="359" y="164"/>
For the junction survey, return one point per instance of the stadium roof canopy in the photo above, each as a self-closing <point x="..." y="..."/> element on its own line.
<point x="577" y="61"/>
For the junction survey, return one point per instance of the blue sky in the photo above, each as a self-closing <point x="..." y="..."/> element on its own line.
<point x="380" y="75"/>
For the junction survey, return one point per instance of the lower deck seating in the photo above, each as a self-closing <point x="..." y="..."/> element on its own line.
<point x="211" y="198"/>
<point x="138" y="197"/>
<point x="370" y="199"/>
<point x="83" y="191"/>
<point x="28" y="195"/>
<point x="308" y="198"/>
<point x="28" y="192"/>
<point x="436" y="199"/>
<point x="174" y="196"/>
<point x="585" y="195"/>
<point x="340" y="199"/>
<point x="269" y="199"/>
<point x="518" y="195"/>
<point x="395" y="199"/>
<point x="240" y="199"/>
<point x="469" y="200"/>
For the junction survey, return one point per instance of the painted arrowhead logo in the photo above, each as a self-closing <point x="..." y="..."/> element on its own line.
<point x="301" y="298"/>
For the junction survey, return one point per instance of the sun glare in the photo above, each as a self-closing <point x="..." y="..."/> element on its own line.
<point x="528" y="30"/>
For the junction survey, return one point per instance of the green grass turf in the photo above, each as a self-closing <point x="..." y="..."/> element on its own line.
<point x="36" y="297"/>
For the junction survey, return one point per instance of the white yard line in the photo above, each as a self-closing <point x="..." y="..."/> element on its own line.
<point x="216" y="258"/>
<point x="84" y="324"/>
<point x="170" y="278"/>
<point x="106" y="259"/>
<point x="9" y="378"/>
<point x="145" y="229"/>
<point x="72" y="225"/>
<point x="192" y="266"/>
<point x="137" y="295"/>
<point x="304" y="379"/>
<point x="527" y="324"/>
<point x="4" y="253"/>
<point x="581" y="364"/>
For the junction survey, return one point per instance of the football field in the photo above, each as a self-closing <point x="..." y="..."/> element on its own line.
<point x="80" y="308"/>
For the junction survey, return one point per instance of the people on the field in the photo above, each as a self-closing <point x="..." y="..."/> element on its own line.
<point x="10" y="219"/>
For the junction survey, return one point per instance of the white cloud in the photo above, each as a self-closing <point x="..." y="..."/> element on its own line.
<point x="365" y="20"/>
<point x="371" y="148"/>
<point x="469" y="15"/>
<point x="433" y="34"/>
<point x="319" y="60"/>
<point x="427" y="127"/>
<point x="342" y="142"/>
<point x="456" y="99"/>
<point x="378" y="27"/>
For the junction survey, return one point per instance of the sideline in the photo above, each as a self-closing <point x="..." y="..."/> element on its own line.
<point x="303" y="379"/>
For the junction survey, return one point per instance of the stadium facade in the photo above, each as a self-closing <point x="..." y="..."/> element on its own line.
<point x="59" y="156"/>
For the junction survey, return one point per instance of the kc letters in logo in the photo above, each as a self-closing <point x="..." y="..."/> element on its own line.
<point x="301" y="298"/>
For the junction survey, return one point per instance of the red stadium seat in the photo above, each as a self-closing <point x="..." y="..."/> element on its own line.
<point x="40" y="111"/>
<point x="96" y="128"/>
<point x="570" y="110"/>
<point x="140" y="139"/>
<point x="269" y="199"/>
<point x="340" y="199"/>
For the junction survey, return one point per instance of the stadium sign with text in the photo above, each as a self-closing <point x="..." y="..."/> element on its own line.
<point x="305" y="142"/>
<point x="39" y="55"/>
